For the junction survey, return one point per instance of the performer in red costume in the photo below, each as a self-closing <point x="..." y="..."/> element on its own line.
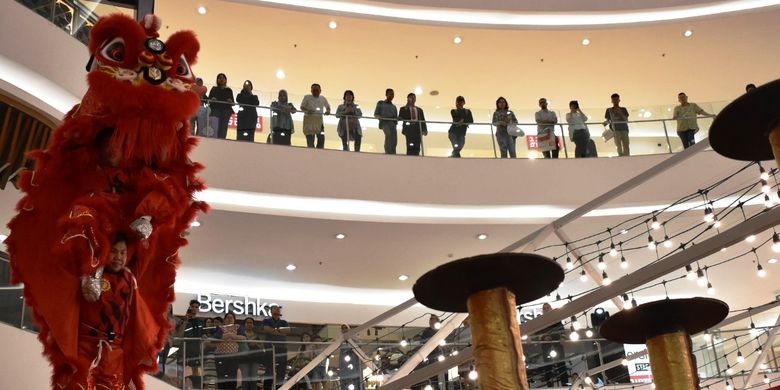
<point x="117" y="166"/>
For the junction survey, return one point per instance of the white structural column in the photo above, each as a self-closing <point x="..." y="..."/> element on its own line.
<point x="592" y="272"/>
<point x="762" y="355"/>
<point x="428" y="347"/>
<point x="337" y="342"/>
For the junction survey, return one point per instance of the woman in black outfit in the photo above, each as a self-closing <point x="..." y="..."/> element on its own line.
<point x="247" y="114"/>
<point x="221" y="102"/>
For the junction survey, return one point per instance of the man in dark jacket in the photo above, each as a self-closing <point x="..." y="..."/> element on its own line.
<point x="414" y="127"/>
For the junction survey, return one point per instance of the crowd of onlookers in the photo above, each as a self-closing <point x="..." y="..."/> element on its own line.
<point x="217" y="110"/>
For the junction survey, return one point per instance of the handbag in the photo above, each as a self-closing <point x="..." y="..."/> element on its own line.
<point x="515" y="130"/>
<point x="608" y="134"/>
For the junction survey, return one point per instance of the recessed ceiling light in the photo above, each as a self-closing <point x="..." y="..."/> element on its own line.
<point x="202" y="10"/>
<point x="771" y="261"/>
<point x="688" y="33"/>
<point x="195" y="223"/>
<point x="333" y="25"/>
<point x="481" y="236"/>
<point x="280" y="74"/>
<point x="585" y="42"/>
<point x="341" y="236"/>
<point x="291" y="267"/>
<point x="418" y="91"/>
<point x="403" y="277"/>
<point x="457" y="40"/>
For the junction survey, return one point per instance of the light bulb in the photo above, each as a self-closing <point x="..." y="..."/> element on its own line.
<point x="776" y="243"/>
<point x="740" y="358"/>
<point x="440" y="358"/>
<point x="750" y="238"/>
<point x="772" y="261"/>
<point x="455" y="353"/>
<point x="575" y="323"/>
<point x="583" y="277"/>
<point x="710" y="289"/>
<point x="707" y="336"/>
<point x="729" y="370"/>
<point x="330" y="372"/>
<point x="667" y="243"/>
<point x="623" y="262"/>
<point x="437" y="325"/>
<point x="588" y="380"/>
<point x="652" y="385"/>
<point x="569" y="264"/>
<point x="702" y="280"/>
<point x="655" y="225"/>
<point x="765" y="186"/>
<point x="760" y="271"/>
<point x="404" y="343"/>
<point x="524" y="337"/>
<point x="690" y="274"/>
<point x="766" y="379"/>
<point x="442" y="342"/>
<point x="602" y="265"/>
<point x="612" y="251"/>
<point x="574" y="336"/>
<point x="650" y="243"/>
<point x="473" y="374"/>
<point x="351" y="387"/>
<point x="763" y="175"/>
<point x="767" y="201"/>
<point x="717" y="224"/>
<point x="708" y="215"/>
<point x="347" y="358"/>
<point x="588" y="333"/>
<point x="729" y="386"/>
<point x="605" y="280"/>
<point x="633" y="302"/>
<point x="377" y="358"/>
<point x="624" y="362"/>
<point x="762" y="366"/>
<point x="553" y="353"/>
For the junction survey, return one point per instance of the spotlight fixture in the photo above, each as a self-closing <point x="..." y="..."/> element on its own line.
<point x="481" y="236"/>
<point x="457" y="40"/>
<point x="291" y="267"/>
<point x="772" y="261"/>
<point x="280" y="74"/>
<point x="202" y="10"/>
<point x="403" y="277"/>
<point x="340" y="236"/>
<point x="333" y="25"/>
<point x="196" y="223"/>
<point x="585" y="42"/>
<point x="750" y="238"/>
<point x="688" y="33"/>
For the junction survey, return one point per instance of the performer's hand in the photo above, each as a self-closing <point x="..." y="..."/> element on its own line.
<point x="142" y="226"/>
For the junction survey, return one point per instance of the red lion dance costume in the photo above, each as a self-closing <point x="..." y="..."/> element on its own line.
<point x="117" y="166"/>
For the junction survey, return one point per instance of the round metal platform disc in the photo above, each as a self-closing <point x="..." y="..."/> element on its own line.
<point x="741" y="130"/>
<point x="448" y="286"/>
<point x="635" y="326"/>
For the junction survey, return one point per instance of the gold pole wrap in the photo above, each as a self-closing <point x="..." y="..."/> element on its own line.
<point x="672" y="362"/>
<point x="774" y="140"/>
<point x="496" y="340"/>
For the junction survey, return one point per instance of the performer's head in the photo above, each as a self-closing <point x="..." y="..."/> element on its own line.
<point x="118" y="257"/>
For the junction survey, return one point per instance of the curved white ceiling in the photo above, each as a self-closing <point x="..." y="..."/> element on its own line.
<point x="529" y="18"/>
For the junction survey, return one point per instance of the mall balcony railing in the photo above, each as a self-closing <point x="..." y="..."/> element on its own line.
<point x="646" y="136"/>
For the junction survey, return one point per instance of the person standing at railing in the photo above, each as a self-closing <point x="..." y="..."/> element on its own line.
<point x="386" y="112"/>
<point x="276" y="330"/>
<point x="617" y="119"/>
<point x="199" y="122"/>
<point x="247" y="113"/>
<point x="461" y="118"/>
<point x="250" y="355"/>
<point x="282" y="125"/>
<point x="192" y="327"/>
<point x="226" y="354"/>
<point x="687" y="125"/>
<point x="578" y="129"/>
<point x="545" y="133"/>
<point x="350" y="366"/>
<point x="349" y="115"/>
<point x="414" y="126"/>
<point x="502" y="118"/>
<point x="314" y="106"/>
<point x="221" y="104"/>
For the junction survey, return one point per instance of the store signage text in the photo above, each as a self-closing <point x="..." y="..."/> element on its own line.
<point x="236" y="305"/>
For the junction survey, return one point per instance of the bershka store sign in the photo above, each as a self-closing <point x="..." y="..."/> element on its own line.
<point x="220" y="304"/>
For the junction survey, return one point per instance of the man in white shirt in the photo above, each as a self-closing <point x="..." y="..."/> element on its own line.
<point x="314" y="106"/>
<point x="546" y="120"/>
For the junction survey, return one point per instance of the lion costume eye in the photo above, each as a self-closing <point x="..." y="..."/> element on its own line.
<point x="183" y="69"/>
<point x="114" y="50"/>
